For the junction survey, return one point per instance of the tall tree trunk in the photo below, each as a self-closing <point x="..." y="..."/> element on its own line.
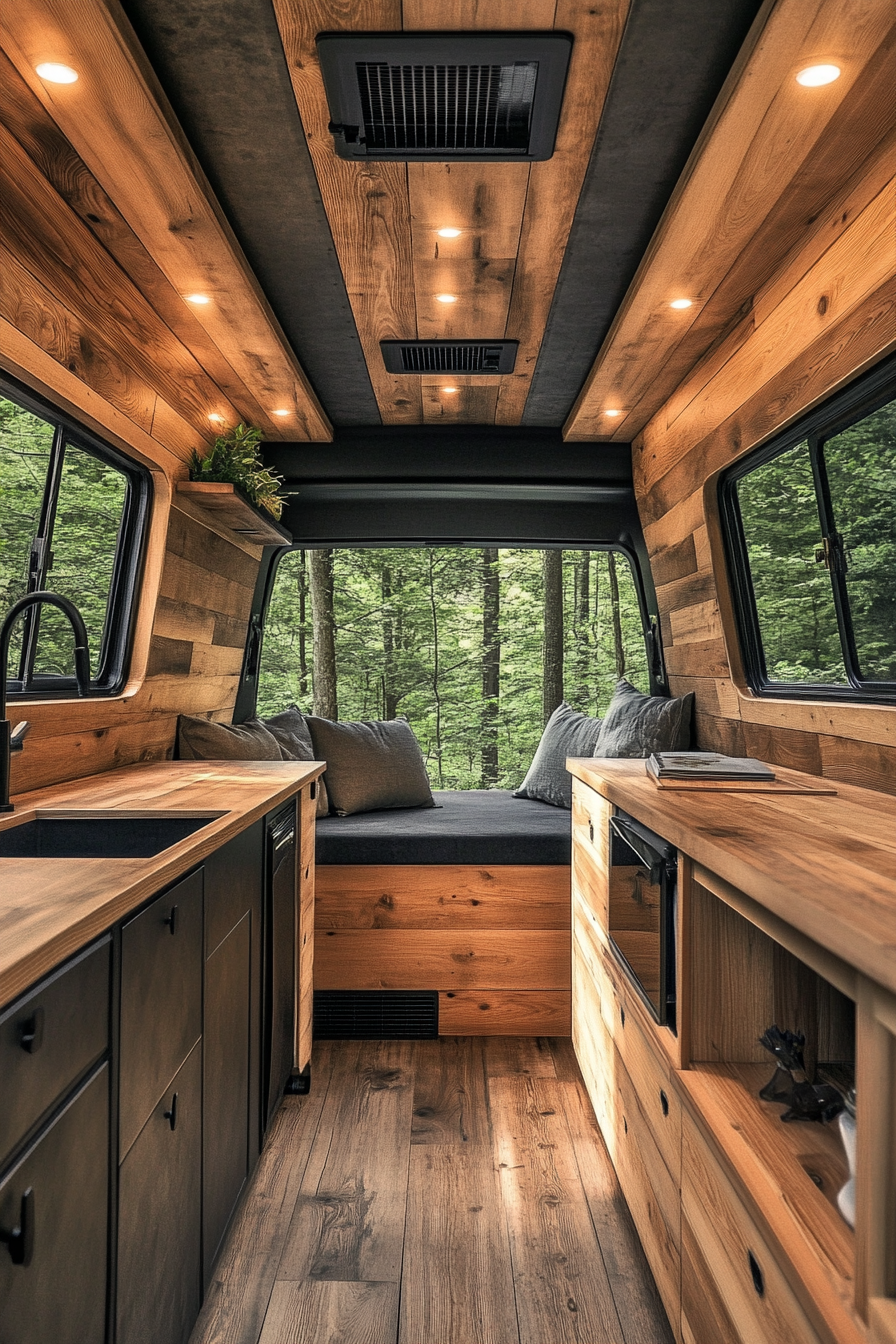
<point x="303" y="616"/>
<point x="390" y="698"/>
<point x="583" y="643"/>
<point x="552" y="651"/>
<point x="436" y="689"/>
<point x="491" y="666"/>
<point x="618" y="649"/>
<point x="324" y="631"/>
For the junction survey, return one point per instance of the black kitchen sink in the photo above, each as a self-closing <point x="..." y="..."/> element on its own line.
<point x="124" y="836"/>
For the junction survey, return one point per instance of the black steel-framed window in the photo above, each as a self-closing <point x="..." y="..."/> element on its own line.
<point x="73" y="519"/>
<point x="810" y="532"/>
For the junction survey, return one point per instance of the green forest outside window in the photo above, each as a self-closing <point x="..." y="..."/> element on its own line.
<point x="811" y="529"/>
<point x="72" y="515"/>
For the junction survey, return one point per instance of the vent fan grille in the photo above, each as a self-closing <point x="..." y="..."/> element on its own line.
<point x="449" y="356"/>
<point x="376" y="1015"/>
<point x="445" y="108"/>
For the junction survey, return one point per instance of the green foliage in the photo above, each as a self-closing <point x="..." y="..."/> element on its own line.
<point x="409" y="641"/>
<point x="235" y="457"/>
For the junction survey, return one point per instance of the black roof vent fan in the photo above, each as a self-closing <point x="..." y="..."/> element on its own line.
<point x="444" y="96"/>
<point x="449" y="356"/>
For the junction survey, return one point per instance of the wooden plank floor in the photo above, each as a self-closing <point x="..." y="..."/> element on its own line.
<point x="454" y="1191"/>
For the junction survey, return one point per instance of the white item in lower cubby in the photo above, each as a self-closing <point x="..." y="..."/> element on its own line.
<point x="846" y="1200"/>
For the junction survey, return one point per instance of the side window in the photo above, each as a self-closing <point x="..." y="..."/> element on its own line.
<point x="811" y="531"/>
<point x="72" y="518"/>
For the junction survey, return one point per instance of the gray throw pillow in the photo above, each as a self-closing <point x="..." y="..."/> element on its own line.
<point x="201" y="740"/>
<point x="568" y="733"/>
<point x="370" y="765"/>
<point x="291" y="731"/>
<point x="637" y="725"/>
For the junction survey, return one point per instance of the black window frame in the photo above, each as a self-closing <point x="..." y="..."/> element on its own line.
<point x="853" y="404"/>
<point x="121" y="610"/>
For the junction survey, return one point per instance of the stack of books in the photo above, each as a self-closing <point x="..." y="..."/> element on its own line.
<point x="706" y="765"/>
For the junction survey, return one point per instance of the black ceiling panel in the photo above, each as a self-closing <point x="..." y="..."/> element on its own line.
<point x="222" y="66"/>
<point x="674" y="58"/>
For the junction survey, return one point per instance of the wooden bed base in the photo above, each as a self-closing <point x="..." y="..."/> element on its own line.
<point x="495" y="942"/>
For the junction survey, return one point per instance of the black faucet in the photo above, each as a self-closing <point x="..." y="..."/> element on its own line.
<point x="12" y="741"/>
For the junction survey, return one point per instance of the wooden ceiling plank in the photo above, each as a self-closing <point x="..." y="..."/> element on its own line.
<point x="366" y="203"/>
<point x="484" y="201"/>
<point x="555" y="185"/>
<point x="43" y="142"/>
<point x="762" y="130"/>
<point x="119" y="123"/>
<point x="482" y="289"/>
<point x="472" y="404"/>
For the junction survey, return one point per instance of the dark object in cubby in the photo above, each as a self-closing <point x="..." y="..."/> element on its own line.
<point x="790" y="1085"/>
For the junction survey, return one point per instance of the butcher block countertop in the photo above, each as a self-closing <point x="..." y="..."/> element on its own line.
<point x="823" y="863"/>
<point x="50" y="907"/>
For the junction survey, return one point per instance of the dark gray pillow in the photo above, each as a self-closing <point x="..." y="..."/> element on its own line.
<point x="637" y="725"/>
<point x="370" y="765"/>
<point x="568" y="733"/>
<point x="201" y="740"/>
<point x="292" y="733"/>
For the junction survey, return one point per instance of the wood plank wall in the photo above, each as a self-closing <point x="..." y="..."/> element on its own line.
<point x="826" y="314"/>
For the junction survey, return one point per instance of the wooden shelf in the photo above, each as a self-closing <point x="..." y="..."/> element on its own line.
<point x="231" y="510"/>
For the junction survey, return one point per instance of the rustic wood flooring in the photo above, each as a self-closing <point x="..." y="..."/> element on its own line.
<point x="435" y="1192"/>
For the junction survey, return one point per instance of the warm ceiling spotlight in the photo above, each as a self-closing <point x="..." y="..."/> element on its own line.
<point x="446" y="298"/>
<point x="217" y="419"/>
<point x="816" y="76"/>
<point x="198" y="298"/>
<point x="449" y="389"/>
<point x="613" y="413"/>
<point x="681" y="303"/>
<point x="57" y="74"/>
<point x="448" y="233"/>
<point x="281" y="412"/>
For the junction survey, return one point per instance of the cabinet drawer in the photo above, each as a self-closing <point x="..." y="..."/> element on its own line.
<point x="49" y="1038"/>
<point x="58" y="1293"/>
<point x="161" y="999"/>
<point x="652" y="1080"/>
<point x="592" y="1042"/>
<point x="747" y="1281"/>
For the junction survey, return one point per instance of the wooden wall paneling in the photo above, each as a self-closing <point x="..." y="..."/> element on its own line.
<point x="504" y="1012"/>
<point x="43" y="142"/>
<point x="762" y="131"/>
<point x="91" y="750"/>
<point x="732" y="1002"/>
<point x="441" y="959"/>
<point x="119" y="123"/>
<point x="555" y="185"/>
<point x="366" y="203"/>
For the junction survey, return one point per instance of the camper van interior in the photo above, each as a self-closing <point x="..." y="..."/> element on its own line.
<point x="448" y="672"/>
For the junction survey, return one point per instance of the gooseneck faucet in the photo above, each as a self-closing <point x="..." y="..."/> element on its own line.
<point x="12" y="741"/>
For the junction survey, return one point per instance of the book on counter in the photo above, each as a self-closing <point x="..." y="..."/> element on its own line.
<point x="706" y="765"/>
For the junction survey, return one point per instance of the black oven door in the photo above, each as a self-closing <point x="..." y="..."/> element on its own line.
<point x="643" y="878"/>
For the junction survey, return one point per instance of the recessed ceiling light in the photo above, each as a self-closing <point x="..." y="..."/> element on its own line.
<point x="446" y="298"/>
<point x="448" y="233"/>
<point x="613" y="413"/>
<point x="449" y="389"/>
<point x="681" y="303"/>
<point x="814" y="76"/>
<point x="281" y="412"/>
<point x="198" y="298"/>
<point x="218" y="419"/>
<point x="57" y="74"/>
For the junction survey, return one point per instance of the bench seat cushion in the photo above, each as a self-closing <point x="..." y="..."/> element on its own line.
<point x="478" y="826"/>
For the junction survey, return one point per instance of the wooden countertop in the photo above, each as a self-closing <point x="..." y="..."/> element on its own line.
<point x="49" y="908"/>
<point x="825" y="864"/>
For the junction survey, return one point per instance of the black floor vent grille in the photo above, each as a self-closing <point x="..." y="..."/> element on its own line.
<point x="444" y="96"/>
<point x="449" y="356"/>
<point x="380" y="1015"/>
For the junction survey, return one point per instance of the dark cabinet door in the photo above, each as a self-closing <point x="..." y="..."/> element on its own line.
<point x="53" y="1273"/>
<point x="280" y="1007"/>
<point x="159" y="1217"/>
<point x="226" y="1100"/>
<point x="161" y="999"/>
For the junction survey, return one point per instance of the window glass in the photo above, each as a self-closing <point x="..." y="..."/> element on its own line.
<point x="26" y="442"/>
<point x="454" y="639"/>
<point x="861" y="472"/>
<point x="794" y="599"/>
<point x="89" y="510"/>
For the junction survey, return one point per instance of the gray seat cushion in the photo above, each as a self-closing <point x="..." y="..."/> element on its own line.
<point x="479" y="826"/>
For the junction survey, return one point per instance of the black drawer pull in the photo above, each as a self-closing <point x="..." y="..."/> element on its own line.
<point x="664" y="1102"/>
<point x="622" y="1017"/>
<point x="20" y="1241"/>
<point x="31" y="1031"/>
<point x="171" y="921"/>
<point x="591" y="831"/>
<point x="171" y="1116"/>
<point x="312" y="792"/>
<point x="756" y="1272"/>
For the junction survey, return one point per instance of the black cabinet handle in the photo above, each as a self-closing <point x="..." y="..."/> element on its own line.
<point x="171" y="921"/>
<point x="591" y="831"/>
<point x="622" y="1017"/>
<point x="31" y="1031"/>
<point x="312" y="792"/>
<point x="171" y="1116"/>
<point x="20" y="1241"/>
<point x="664" y="1102"/>
<point x="756" y="1273"/>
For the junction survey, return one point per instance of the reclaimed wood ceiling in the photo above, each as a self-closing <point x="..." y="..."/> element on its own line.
<point x="515" y="217"/>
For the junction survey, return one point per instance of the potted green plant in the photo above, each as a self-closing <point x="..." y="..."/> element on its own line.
<point x="234" y="458"/>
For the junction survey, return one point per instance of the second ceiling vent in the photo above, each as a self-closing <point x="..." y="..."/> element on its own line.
<point x="444" y="96"/>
